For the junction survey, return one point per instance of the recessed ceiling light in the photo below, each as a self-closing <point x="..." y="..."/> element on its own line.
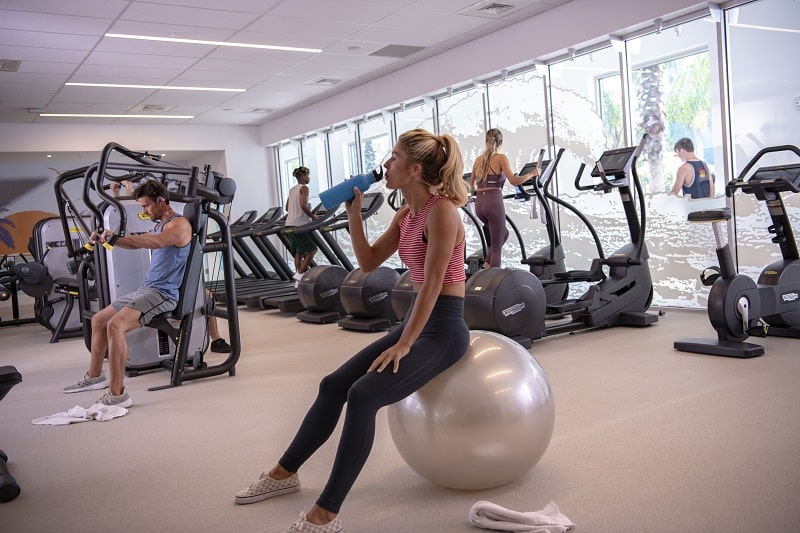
<point x="212" y="43"/>
<point x="160" y="87"/>
<point x="90" y="115"/>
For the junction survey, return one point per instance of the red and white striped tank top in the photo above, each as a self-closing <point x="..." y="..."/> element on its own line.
<point x="413" y="247"/>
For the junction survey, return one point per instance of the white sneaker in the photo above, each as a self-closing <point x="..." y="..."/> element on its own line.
<point x="297" y="276"/>
<point x="87" y="383"/>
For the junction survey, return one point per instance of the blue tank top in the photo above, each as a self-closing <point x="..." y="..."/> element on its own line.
<point x="165" y="273"/>
<point x="701" y="185"/>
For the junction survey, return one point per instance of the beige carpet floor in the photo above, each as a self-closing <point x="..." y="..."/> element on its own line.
<point x="646" y="439"/>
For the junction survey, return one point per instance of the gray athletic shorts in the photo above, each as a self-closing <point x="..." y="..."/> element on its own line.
<point x="148" y="301"/>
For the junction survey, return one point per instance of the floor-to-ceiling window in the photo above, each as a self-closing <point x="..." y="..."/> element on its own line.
<point x="674" y="94"/>
<point x="577" y="111"/>
<point x="585" y="103"/>
<point x="763" y="43"/>
<point x="315" y="158"/>
<point x="462" y="114"/>
<point x="517" y="107"/>
<point x="288" y="160"/>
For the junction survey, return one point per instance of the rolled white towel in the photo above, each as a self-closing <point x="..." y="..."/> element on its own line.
<point x="488" y="515"/>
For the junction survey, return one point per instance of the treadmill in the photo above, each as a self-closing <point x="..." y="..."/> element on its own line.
<point x="322" y="230"/>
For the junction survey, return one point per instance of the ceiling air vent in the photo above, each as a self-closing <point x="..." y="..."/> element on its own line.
<point x="488" y="9"/>
<point x="9" y="65"/>
<point x="396" y="50"/>
<point x="326" y="82"/>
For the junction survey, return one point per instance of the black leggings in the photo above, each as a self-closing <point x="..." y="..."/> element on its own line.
<point x="442" y="342"/>
<point x="490" y="210"/>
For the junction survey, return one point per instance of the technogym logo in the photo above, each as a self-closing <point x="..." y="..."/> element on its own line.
<point x="789" y="297"/>
<point x="514" y="309"/>
<point x="328" y="294"/>
<point x="378" y="297"/>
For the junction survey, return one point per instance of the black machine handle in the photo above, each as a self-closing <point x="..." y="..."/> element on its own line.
<point x="740" y="183"/>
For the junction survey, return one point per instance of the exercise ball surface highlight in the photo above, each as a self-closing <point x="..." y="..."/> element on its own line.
<point x="482" y="423"/>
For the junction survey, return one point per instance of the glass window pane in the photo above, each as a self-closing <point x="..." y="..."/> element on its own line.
<point x="517" y="108"/>
<point x="765" y="105"/>
<point x="375" y="143"/>
<point x="674" y="95"/>
<point x="419" y="116"/>
<point x="462" y="116"/>
<point x="343" y="153"/>
<point x="315" y="160"/>
<point x="579" y="128"/>
<point x="288" y="160"/>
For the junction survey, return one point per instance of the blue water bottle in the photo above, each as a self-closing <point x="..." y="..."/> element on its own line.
<point x="343" y="192"/>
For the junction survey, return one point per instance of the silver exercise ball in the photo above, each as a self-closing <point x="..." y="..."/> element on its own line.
<point x="482" y="423"/>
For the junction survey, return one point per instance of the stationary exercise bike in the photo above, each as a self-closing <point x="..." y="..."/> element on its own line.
<point x="738" y="307"/>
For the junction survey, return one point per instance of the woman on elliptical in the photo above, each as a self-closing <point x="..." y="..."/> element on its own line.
<point x="489" y="174"/>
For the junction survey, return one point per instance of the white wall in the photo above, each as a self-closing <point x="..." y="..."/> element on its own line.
<point x="245" y="158"/>
<point x="579" y="21"/>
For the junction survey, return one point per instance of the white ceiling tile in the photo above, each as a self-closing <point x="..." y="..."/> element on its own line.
<point x="107" y="73"/>
<point x="189" y="16"/>
<point x="340" y="11"/>
<point x="89" y="95"/>
<point x="26" y="53"/>
<point x="139" y="60"/>
<point x="222" y="66"/>
<point x="21" y="20"/>
<point x="48" y="40"/>
<point x="34" y="78"/>
<point x="133" y="27"/>
<point x="309" y="25"/>
<point x="245" y="6"/>
<point x="81" y="8"/>
<point x="48" y="68"/>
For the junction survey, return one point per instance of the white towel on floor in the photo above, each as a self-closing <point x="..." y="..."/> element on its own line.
<point x="492" y="516"/>
<point x="97" y="411"/>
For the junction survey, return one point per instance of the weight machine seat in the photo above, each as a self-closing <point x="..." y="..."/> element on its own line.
<point x="187" y="294"/>
<point x="710" y="215"/>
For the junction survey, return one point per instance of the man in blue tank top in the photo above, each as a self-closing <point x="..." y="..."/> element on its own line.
<point x="693" y="178"/>
<point x="169" y="242"/>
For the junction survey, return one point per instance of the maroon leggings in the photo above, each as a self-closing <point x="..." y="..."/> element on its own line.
<point x="490" y="210"/>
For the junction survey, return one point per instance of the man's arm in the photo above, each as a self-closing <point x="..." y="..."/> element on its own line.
<point x="304" y="202"/>
<point x="680" y="178"/>
<point x="176" y="232"/>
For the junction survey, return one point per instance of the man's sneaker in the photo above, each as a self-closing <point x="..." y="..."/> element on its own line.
<point x="123" y="400"/>
<point x="87" y="383"/>
<point x="220" y="346"/>
<point x="266" y="487"/>
<point x="304" y="526"/>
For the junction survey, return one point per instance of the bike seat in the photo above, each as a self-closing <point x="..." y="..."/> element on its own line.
<point x="710" y="215"/>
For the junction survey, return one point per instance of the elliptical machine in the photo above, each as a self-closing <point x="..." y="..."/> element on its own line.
<point x="513" y="302"/>
<point x="738" y="307"/>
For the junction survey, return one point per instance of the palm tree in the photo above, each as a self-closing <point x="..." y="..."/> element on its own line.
<point x="650" y="96"/>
